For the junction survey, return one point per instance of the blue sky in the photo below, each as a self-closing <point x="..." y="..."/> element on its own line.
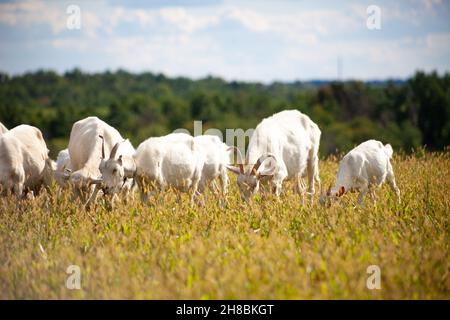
<point x="236" y="40"/>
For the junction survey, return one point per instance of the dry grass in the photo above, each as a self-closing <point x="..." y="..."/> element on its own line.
<point x="270" y="250"/>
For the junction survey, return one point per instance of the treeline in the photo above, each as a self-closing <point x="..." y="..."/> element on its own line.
<point x="406" y="114"/>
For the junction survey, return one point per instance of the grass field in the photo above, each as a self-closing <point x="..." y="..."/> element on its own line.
<point x="270" y="249"/>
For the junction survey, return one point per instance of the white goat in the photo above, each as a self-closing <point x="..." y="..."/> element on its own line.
<point x="87" y="151"/>
<point x="217" y="159"/>
<point x="290" y="140"/>
<point x="363" y="168"/>
<point x="24" y="162"/>
<point x="174" y="160"/>
<point x="63" y="167"/>
<point x="3" y="129"/>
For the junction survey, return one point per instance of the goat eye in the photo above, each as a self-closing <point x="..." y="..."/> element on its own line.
<point x="114" y="171"/>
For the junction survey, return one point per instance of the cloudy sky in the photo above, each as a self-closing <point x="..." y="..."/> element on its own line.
<point x="245" y="40"/>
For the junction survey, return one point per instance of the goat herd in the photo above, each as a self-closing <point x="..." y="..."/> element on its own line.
<point x="99" y="161"/>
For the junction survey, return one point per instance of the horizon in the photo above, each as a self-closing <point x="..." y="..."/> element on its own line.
<point x="245" y="41"/>
<point x="218" y="77"/>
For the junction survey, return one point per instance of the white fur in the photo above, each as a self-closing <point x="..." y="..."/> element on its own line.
<point x="3" y="129"/>
<point x="366" y="166"/>
<point x="62" y="163"/>
<point x="63" y="160"/>
<point x="293" y="139"/>
<point x="24" y="162"/>
<point x="174" y="160"/>
<point x="217" y="159"/>
<point x="85" y="152"/>
<point x="85" y="148"/>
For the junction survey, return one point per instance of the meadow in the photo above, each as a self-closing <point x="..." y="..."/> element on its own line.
<point x="270" y="249"/>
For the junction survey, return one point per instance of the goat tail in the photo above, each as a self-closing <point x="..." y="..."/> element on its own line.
<point x="388" y="150"/>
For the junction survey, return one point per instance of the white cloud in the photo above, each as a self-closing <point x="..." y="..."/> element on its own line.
<point x="438" y="43"/>
<point x="71" y="44"/>
<point x="290" y="24"/>
<point x="29" y="12"/>
<point x="430" y="4"/>
<point x="300" y="43"/>
<point x="250" y="19"/>
<point x="186" y="21"/>
<point x="101" y="16"/>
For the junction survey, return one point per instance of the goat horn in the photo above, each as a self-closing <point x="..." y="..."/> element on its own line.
<point x="95" y="181"/>
<point x="260" y="161"/>
<point x="114" y="150"/>
<point x="103" y="146"/>
<point x="239" y="154"/>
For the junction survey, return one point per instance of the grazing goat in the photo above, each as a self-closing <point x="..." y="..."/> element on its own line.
<point x="289" y="141"/>
<point x="363" y="168"/>
<point x="63" y="167"/>
<point x="87" y="151"/>
<point x="174" y="160"/>
<point x="119" y="169"/>
<point x="217" y="159"/>
<point x="24" y="162"/>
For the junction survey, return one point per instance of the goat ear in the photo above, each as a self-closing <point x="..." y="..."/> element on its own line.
<point x="102" y="164"/>
<point x="341" y="191"/>
<point x="234" y="169"/>
<point x="120" y="160"/>
<point x="267" y="172"/>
